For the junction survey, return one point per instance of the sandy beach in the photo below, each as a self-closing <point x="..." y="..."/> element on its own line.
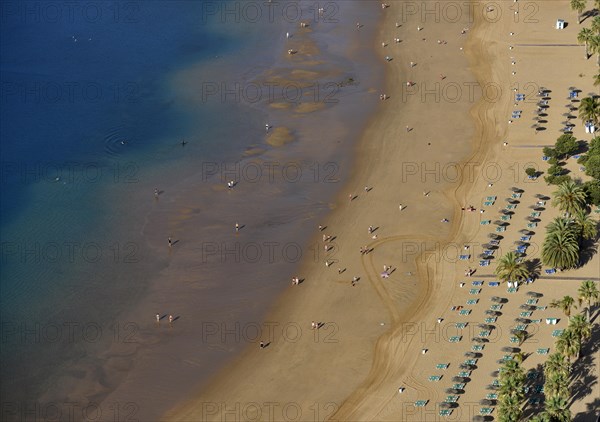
<point x="442" y="141"/>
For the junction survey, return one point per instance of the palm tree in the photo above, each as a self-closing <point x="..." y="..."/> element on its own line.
<point x="565" y="305"/>
<point x="557" y="409"/>
<point x="560" y="225"/>
<point x="557" y="384"/>
<point x="584" y="37"/>
<point x="556" y="364"/>
<point x="510" y="397"/>
<point x="589" y="108"/>
<point x="560" y="250"/>
<point x="509" y="409"/>
<point x="585" y="225"/>
<point x="597" y="79"/>
<point x="596" y="25"/>
<point x="520" y="356"/>
<point x="569" y="196"/>
<point x="581" y="327"/>
<point x="568" y="344"/>
<point x="521" y="336"/>
<point x="509" y="269"/>
<point x="589" y="293"/>
<point x="594" y="45"/>
<point x="579" y="7"/>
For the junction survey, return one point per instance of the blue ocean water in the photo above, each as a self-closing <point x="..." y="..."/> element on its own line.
<point x="88" y="117"/>
<point x="96" y="98"/>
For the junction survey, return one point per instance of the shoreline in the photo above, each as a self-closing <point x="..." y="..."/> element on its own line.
<point x="217" y="300"/>
<point x="290" y="300"/>
<point x="371" y="360"/>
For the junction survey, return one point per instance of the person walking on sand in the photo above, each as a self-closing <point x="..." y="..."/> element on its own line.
<point x="158" y="318"/>
<point x="400" y="207"/>
<point x="170" y="241"/>
<point x="262" y="344"/>
<point x="267" y="127"/>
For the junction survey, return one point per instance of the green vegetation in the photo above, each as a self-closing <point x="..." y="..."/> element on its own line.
<point x="511" y="393"/>
<point x="579" y="7"/>
<point x="557" y="368"/>
<point x="510" y="269"/>
<point x="589" y="108"/>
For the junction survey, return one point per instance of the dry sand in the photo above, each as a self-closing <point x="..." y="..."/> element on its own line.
<point x="373" y="333"/>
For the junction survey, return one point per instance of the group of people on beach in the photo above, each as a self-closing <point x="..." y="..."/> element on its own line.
<point x="158" y="318"/>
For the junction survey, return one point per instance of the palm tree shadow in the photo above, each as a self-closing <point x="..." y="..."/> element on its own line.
<point x="591" y="414"/>
<point x="530" y="382"/>
<point x="584" y="380"/>
<point x="534" y="266"/>
<point x="589" y="247"/>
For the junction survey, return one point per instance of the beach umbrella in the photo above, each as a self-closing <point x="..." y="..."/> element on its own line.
<point x="473" y="354"/>
<point x="486" y="326"/>
<point x="489" y="246"/>
<point x="454" y="391"/>
<point x="494" y="236"/>
<point x="487" y="402"/>
<point x="513" y="201"/>
<point x="534" y="294"/>
<point x="445" y="405"/>
<point x="516" y="189"/>
<point x="515" y="331"/>
<point x="532" y="219"/>
<point x="492" y="387"/>
<point x="521" y="243"/>
<point x="539" y="129"/>
<point x="528" y="307"/>
<point x="496" y="299"/>
<point x="461" y="379"/>
<point x="481" y="418"/>
<point x="480" y="340"/>
<point x="485" y="256"/>
<point x="510" y="349"/>
<point x="495" y="374"/>
<point x="467" y="366"/>
<point x="493" y="313"/>
<point x="525" y="232"/>
<point x="523" y="320"/>
<point x="500" y="223"/>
